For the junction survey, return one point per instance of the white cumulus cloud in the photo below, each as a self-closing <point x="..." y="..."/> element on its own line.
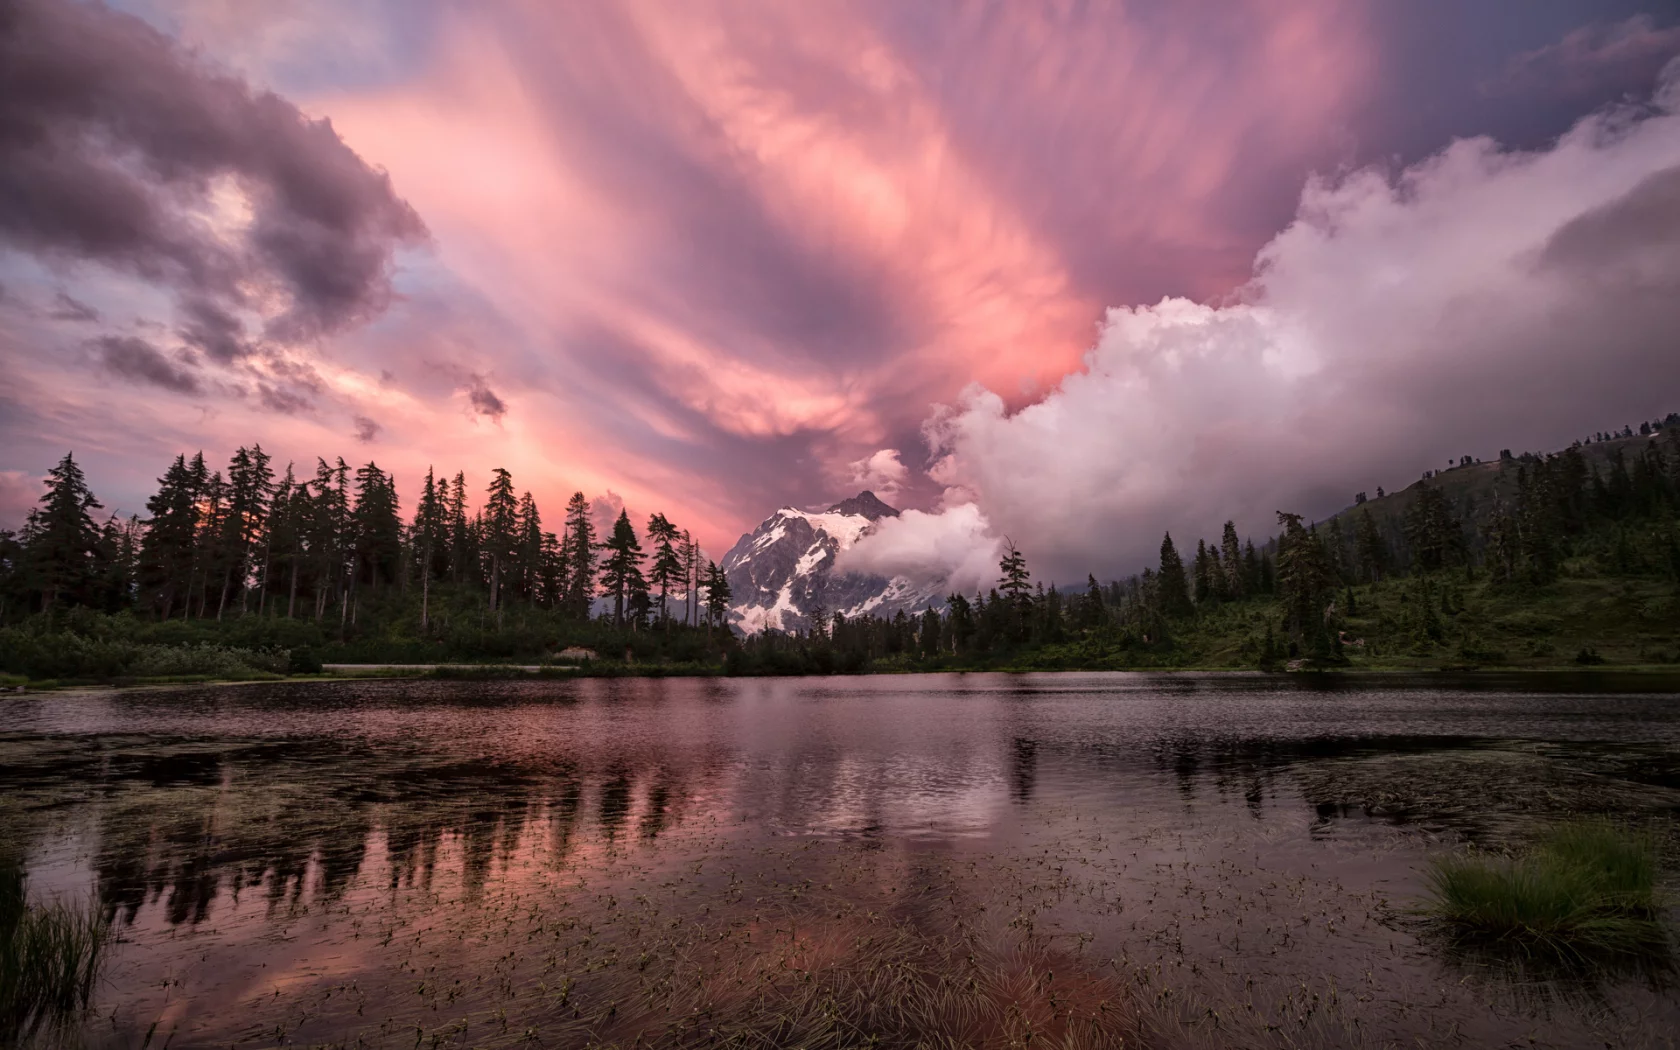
<point x="1480" y="299"/>
<point x="883" y="473"/>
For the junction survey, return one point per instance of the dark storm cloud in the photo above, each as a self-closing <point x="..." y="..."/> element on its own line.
<point x="67" y="308"/>
<point x="1592" y="60"/>
<point x="366" y="429"/>
<point x="131" y="358"/>
<point x="1639" y="231"/>
<point x="112" y="139"/>
<point x="484" y="400"/>
<point x="283" y="399"/>
<point x="214" y="330"/>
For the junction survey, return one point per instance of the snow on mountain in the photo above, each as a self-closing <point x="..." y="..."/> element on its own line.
<point x="783" y="571"/>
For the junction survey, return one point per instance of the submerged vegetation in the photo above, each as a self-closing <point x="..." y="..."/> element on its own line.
<point x="1571" y="559"/>
<point x="1587" y="890"/>
<point x="50" y="955"/>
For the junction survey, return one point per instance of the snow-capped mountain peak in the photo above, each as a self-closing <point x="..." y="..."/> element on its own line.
<point x="783" y="571"/>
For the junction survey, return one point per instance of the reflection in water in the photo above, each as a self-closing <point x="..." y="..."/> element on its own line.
<point x="317" y="836"/>
<point x="1022" y="767"/>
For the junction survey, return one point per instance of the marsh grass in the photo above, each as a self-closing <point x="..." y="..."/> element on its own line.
<point x="50" y="956"/>
<point x="1588" y="890"/>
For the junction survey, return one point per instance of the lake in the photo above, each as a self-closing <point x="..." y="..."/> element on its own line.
<point x="1052" y="859"/>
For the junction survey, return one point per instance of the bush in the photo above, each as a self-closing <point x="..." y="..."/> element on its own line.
<point x="1588" y="888"/>
<point x="303" y="660"/>
<point x="66" y="654"/>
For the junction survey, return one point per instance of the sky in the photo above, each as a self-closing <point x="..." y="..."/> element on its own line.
<point x="1070" y="273"/>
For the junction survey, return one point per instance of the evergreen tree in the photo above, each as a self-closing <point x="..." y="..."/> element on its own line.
<point x="166" y="552"/>
<point x="1015" y="580"/>
<point x="327" y="536"/>
<point x="528" y="557"/>
<point x="1304" y="583"/>
<point x="1201" y="571"/>
<point x="667" y="565"/>
<point x="376" y="529"/>
<point x="285" y="536"/>
<point x="1173" y="588"/>
<point x="62" y="542"/>
<point x="689" y="554"/>
<point x="250" y="488"/>
<point x="1435" y="537"/>
<point x="428" y="535"/>
<point x="929" y="641"/>
<point x="621" y="569"/>
<point x="579" y="550"/>
<point x="1374" y="558"/>
<point x="463" y="550"/>
<point x="1231" y="549"/>
<point x="209" y="549"/>
<point x="960" y="623"/>
<point x="717" y="596"/>
<point x="1013" y="611"/>
<point x="119" y="554"/>
<point x="500" y="535"/>
<point x="1092" y="611"/>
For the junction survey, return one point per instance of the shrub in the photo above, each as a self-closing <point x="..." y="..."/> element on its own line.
<point x="1588" y="888"/>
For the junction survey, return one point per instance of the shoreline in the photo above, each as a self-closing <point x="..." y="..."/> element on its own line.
<point x="489" y="672"/>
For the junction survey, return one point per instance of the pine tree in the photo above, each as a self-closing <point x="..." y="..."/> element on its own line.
<point x="929" y="641"/>
<point x="1304" y="582"/>
<point x="689" y="553"/>
<point x="207" y="545"/>
<point x="500" y="536"/>
<point x="428" y="534"/>
<point x="463" y="552"/>
<point x="249" y="490"/>
<point x="1374" y="557"/>
<point x="1092" y="611"/>
<point x="667" y="563"/>
<point x="62" y="542"/>
<point x="621" y="569"/>
<point x="1201" y="571"/>
<point x="376" y="528"/>
<point x="327" y="535"/>
<point x="1435" y="537"/>
<point x="528" y="557"/>
<point x="579" y="548"/>
<point x="1231" y="549"/>
<point x="1171" y="582"/>
<point x="119" y="555"/>
<point x="166" y="552"/>
<point x="288" y="518"/>
<point x="717" y="596"/>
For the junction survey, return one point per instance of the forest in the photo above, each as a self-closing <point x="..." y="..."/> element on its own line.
<point x="1566" y="559"/>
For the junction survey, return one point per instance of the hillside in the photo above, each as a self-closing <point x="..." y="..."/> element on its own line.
<point x="1473" y="490"/>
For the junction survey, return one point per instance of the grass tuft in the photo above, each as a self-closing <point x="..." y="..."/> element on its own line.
<point x="1587" y="889"/>
<point x="49" y="958"/>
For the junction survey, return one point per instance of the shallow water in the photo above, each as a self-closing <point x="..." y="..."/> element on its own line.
<point x="1224" y="859"/>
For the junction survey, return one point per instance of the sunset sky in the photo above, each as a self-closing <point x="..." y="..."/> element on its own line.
<point x="711" y="257"/>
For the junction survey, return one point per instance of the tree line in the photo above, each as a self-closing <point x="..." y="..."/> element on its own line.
<point x="248" y="546"/>
<point x="246" y="542"/>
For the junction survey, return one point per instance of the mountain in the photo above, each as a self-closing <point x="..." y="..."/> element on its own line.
<point x="783" y="571"/>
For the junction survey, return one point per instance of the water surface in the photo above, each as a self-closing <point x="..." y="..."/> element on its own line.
<point x="407" y="863"/>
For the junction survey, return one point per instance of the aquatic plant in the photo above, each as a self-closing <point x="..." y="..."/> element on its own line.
<point x="50" y="956"/>
<point x="1589" y="888"/>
